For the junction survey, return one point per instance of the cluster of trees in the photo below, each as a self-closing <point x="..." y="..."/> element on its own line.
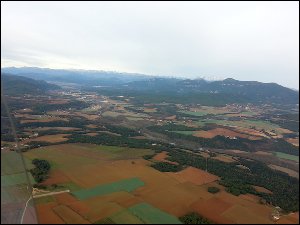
<point x="213" y="190"/>
<point x="166" y="167"/>
<point x="220" y="142"/>
<point x="75" y="104"/>
<point x="285" y="189"/>
<point x="147" y="157"/>
<point x="124" y="131"/>
<point x="41" y="170"/>
<point x="194" y="218"/>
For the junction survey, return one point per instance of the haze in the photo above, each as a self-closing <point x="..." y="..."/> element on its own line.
<point x="243" y="40"/>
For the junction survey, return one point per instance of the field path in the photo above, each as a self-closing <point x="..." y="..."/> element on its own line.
<point x="51" y="193"/>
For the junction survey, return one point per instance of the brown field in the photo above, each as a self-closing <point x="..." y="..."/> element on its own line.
<point x="44" y="120"/>
<point x="92" y="134"/>
<point x="212" y="209"/>
<point x="92" y="126"/>
<point x="139" y="137"/>
<point x="46" y="214"/>
<point x="56" y="177"/>
<point x="290" y="172"/>
<point x="171" y="117"/>
<point x="55" y="128"/>
<point x="58" y="113"/>
<point x="161" y="157"/>
<point x="224" y="132"/>
<point x="262" y="189"/>
<point x="53" y="138"/>
<point x="237" y="151"/>
<point x="182" y="192"/>
<point x="59" y="101"/>
<point x="293" y="141"/>
<point x="250" y="131"/>
<point x="150" y="110"/>
<point x="87" y="116"/>
<point x="69" y="216"/>
<point x="242" y="214"/>
<point x="193" y="175"/>
<point x="262" y="153"/>
<point x="224" y="158"/>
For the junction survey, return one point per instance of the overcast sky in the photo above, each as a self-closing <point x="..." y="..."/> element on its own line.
<point x="243" y="40"/>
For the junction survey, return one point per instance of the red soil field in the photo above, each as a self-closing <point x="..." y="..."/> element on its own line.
<point x="56" y="177"/>
<point x="224" y="132"/>
<point x="193" y="175"/>
<point x="69" y="216"/>
<point x="46" y="215"/>
<point x="212" y="209"/>
<point x="262" y="189"/>
<point x="162" y="158"/>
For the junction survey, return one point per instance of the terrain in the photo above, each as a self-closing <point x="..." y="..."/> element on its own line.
<point x="148" y="150"/>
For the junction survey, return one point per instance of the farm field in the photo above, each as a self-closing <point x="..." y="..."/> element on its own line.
<point x="287" y="156"/>
<point x="290" y="172"/>
<point x="54" y="138"/>
<point x="106" y="165"/>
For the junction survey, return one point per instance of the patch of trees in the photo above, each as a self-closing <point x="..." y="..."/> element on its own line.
<point x="41" y="170"/>
<point x="220" y="142"/>
<point x="194" y="218"/>
<point x="124" y="131"/>
<point x="285" y="189"/>
<point x="75" y="104"/>
<point x="213" y="190"/>
<point x="280" y="145"/>
<point x="147" y="157"/>
<point x="166" y="167"/>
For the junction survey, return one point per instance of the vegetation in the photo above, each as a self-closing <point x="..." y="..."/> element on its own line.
<point x="41" y="170"/>
<point x="166" y="167"/>
<point x="213" y="190"/>
<point x="238" y="181"/>
<point x="194" y="218"/>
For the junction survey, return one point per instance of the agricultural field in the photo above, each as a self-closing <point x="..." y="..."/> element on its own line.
<point x="115" y="185"/>
<point x="287" y="156"/>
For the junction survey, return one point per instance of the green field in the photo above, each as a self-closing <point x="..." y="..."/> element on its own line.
<point x="11" y="163"/>
<point x="125" y="217"/>
<point x="242" y="123"/>
<point x="151" y="215"/>
<point x="186" y="132"/>
<point x="287" y="156"/>
<point x="122" y="185"/>
<point x="15" y="179"/>
<point x="69" y="155"/>
<point x="201" y="113"/>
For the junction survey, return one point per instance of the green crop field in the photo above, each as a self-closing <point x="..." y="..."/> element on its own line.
<point x="186" y="132"/>
<point x="151" y="215"/>
<point x="259" y="124"/>
<point x="125" y="217"/>
<point x="11" y="163"/>
<point x="15" y="179"/>
<point x="287" y="156"/>
<point x="122" y="185"/>
<point x="201" y="113"/>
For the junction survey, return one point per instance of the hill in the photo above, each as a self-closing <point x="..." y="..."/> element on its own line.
<point x="16" y="85"/>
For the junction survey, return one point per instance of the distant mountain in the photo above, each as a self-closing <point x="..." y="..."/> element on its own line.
<point x="83" y="77"/>
<point x="243" y="91"/>
<point x="15" y="85"/>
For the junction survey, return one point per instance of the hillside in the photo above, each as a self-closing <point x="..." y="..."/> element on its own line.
<point x="15" y="85"/>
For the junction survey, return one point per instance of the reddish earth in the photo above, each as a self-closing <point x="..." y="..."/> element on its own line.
<point x="162" y="158"/>
<point x="224" y="132"/>
<point x="262" y="189"/>
<point x="193" y="175"/>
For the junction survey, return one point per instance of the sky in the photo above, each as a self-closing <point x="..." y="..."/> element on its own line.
<point x="212" y="40"/>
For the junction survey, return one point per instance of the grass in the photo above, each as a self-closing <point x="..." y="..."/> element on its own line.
<point x="186" y="132"/>
<point x="44" y="200"/>
<point x="15" y="179"/>
<point x="122" y="185"/>
<point x="287" y="156"/>
<point x="125" y="217"/>
<point x="201" y="113"/>
<point x="259" y="124"/>
<point x="11" y="163"/>
<point x="151" y="215"/>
